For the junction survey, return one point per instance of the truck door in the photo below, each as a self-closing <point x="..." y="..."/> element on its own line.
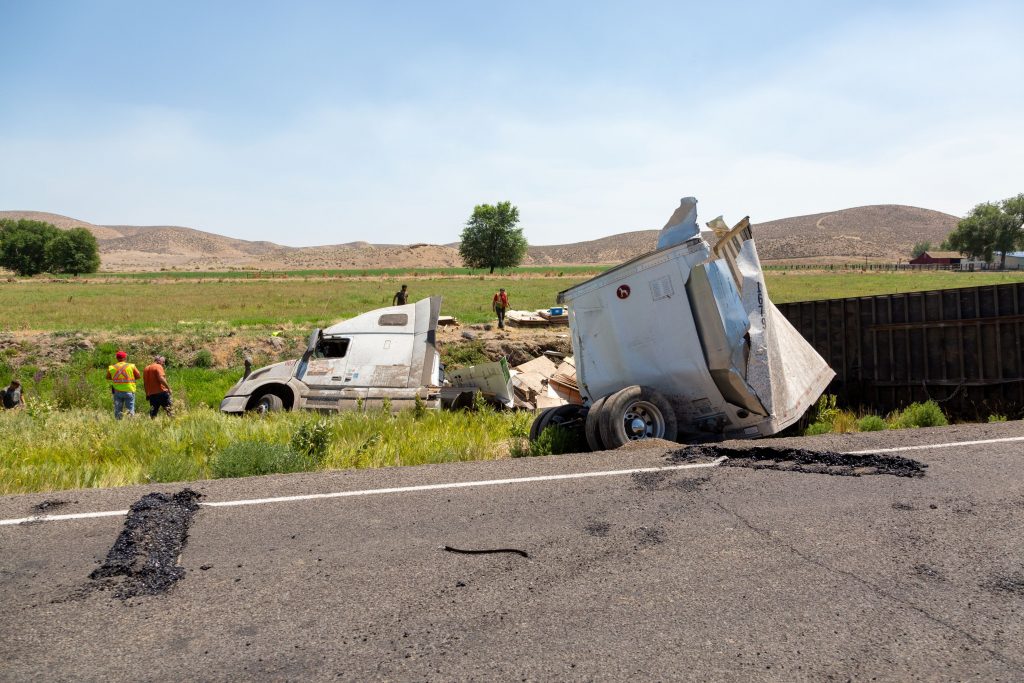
<point x="325" y="362"/>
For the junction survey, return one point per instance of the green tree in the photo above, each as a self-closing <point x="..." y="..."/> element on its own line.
<point x="29" y="247"/>
<point x="23" y="245"/>
<point x="920" y="248"/>
<point x="73" y="251"/>
<point x="491" y="238"/>
<point x="990" y="227"/>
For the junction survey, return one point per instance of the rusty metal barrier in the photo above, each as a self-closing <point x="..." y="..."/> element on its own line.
<point x="959" y="347"/>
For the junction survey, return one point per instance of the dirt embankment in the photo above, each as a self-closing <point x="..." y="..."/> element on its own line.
<point x="50" y="352"/>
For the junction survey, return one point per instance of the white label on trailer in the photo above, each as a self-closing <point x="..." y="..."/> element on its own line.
<point x="661" y="288"/>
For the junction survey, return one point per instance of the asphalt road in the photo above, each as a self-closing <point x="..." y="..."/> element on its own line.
<point x="701" y="574"/>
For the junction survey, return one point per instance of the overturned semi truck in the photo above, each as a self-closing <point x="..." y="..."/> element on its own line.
<point x="384" y="357"/>
<point x="684" y="344"/>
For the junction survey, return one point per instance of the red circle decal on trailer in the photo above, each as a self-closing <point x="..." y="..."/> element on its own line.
<point x="622" y="292"/>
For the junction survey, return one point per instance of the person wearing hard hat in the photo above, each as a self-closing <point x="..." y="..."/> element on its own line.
<point x="122" y="376"/>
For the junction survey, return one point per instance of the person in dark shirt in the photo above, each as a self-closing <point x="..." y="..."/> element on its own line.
<point x="401" y="297"/>
<point x="500" y="304"/>
<point x="11" y="396"/>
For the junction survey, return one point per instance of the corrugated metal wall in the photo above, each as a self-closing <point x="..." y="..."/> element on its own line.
<point x="960" y="347"/>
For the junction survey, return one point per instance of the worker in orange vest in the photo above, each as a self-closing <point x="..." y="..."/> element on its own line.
<point x="122" y="376"/>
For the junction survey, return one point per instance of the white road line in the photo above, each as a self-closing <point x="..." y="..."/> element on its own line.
<point x="371" y="492"/>
<point x="936" y="445"/>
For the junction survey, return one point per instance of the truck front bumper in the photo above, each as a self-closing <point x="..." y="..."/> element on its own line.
<point x="234" y="404"/>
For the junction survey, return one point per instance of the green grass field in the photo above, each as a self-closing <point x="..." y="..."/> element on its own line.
<point x="146" y="304"/>
<point x="49" y="450"/>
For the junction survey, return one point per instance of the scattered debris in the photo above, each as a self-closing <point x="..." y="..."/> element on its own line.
<point x="803" y="460"/>
<point x="928" y="572"/>
<point x="488" y="551"/>
<point x="598" y="529"/>
<point x="146" y="552"/>
<point x="49" y="505"/>
<point x="540" y="318"/>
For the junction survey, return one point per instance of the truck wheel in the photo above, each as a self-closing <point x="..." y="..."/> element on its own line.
<point x="592" y="429"/>
<point x="539" y="423"/>
<point x="636" y="413"/>
<point x="268" y="403"/>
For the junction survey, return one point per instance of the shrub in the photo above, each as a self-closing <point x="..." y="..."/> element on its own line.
<point x="556" y="440"/>
<point x="825" y="409"/>
<point x="312" y="439"/>
<point x="419" y="410"/>
<point x="252" y="458"/>
<point x="519" y="423"/>
<point x="996" y="417"/>
<point x="202" y="359"/>
<point x="871" y="423"/>
<point x="71" y="393"/>
<point x="519" y="447"/>
<point x="927" y="414"/>
<point x="844" y="421"/>
<point x="817" y="428"/>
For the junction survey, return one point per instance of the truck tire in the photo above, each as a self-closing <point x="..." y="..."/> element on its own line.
<point x="539" y="423"/>
<point x="268" y="403"/>
<point x="592" y="429"/>
<point x="636" y="413"/>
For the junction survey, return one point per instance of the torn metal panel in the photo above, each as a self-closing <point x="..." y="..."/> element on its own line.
<point x="722" y="325"/>
<point x="681" y="225"/>
<point x="786" y="373"/>
<point x="493" y="379"/>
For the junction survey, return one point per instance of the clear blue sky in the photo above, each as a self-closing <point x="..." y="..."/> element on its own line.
<point x="320" y="123"/>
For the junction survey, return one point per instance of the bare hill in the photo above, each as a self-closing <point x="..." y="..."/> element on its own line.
<point x="612" y="249"/>
<point x="62" y="222"/>
<point x="878" y="233"/>
<point x="881" y="232"/>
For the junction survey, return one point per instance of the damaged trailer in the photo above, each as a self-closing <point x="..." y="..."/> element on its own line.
<point x="683" y="344"/>
<point x="387" y="356"/>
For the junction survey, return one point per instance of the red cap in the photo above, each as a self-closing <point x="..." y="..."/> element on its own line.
<point x="121" y="355"/>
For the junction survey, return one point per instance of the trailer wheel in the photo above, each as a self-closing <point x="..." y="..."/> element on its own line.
<point x="539" y="423"/>
<point x="636" y="413"/>
<point x="268" y="403"/>
<point x="592" y="429"/>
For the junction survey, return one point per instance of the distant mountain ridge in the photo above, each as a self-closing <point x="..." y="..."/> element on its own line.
<point x="877" y="233"/>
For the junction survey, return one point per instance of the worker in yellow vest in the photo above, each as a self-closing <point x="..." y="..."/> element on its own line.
<point x="122" y="376"/>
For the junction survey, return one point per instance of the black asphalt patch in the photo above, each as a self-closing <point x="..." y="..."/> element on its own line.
<point x="803" y="460"/>
<point x="145" y="555"/>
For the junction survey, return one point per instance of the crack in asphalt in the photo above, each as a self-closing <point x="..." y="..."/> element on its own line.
<point x="768" y="535"/>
